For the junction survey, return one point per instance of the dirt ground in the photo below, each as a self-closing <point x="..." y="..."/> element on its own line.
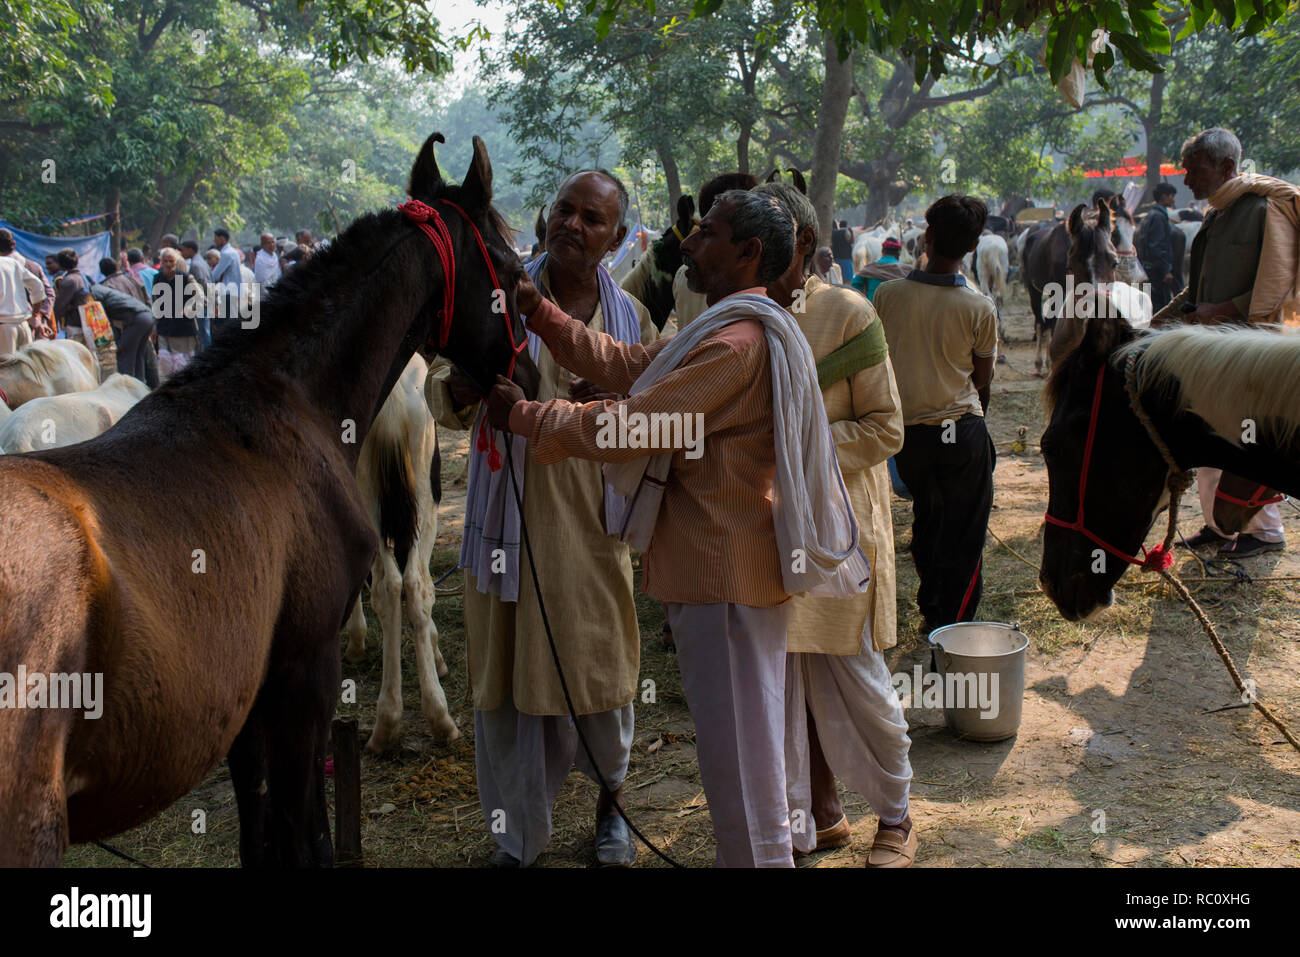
<point x="1130" y="752"/>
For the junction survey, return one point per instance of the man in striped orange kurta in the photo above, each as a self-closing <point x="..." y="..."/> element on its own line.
<point x="713" y="557"/>
<point x="843" y="718"/>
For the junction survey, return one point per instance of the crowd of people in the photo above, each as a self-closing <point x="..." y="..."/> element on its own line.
<point x="771" y="546"/>
<point x="163" y="305"/>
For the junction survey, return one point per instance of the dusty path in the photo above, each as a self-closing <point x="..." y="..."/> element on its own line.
<point x="1117" y="761"/>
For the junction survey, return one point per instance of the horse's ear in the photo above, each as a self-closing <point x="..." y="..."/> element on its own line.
<point x="1102" y="335"/>
<point x="539" y="227"/>
<point x="685" y="208"/>
<point x="477" y="188"/>
<point x="1104" y="212"/>
<point x="799" y="183"/>
<point x="1075" y="223"/>
<point x="425" y="175"/>
<point x="771" y="177"/>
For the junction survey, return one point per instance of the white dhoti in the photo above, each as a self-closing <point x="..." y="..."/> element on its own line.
<point x="732" y="661"/>
<point x="14" y="335"/>
<point x="1266" y="524"/>
<point x="523" y="760"/>
<point x="860" y="727"/>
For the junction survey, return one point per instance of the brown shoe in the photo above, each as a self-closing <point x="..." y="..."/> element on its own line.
<point x="891" y="849"/>
<point x="837" y="835"/>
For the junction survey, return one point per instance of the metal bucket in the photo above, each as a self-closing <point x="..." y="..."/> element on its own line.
<point x="982" y="667"/>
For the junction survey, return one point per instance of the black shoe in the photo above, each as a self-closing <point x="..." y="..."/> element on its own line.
<point x="1247" y="545"/>
<point x="502" y="858"/>
<point x="614" y="846"/>
<point x="1204" y="538"/>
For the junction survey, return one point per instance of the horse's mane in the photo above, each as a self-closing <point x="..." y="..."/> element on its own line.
<point x="335" y="275"/>
<point x="1226" y="374"/>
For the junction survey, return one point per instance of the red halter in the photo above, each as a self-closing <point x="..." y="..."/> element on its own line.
<point x="1254" y="501"/>
<point x="1155" y="559"/>
<point x="423" y="216"/>
<point x="4" y="398"/>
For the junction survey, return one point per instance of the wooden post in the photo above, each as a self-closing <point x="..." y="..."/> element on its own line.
<point x="347" y="792"/>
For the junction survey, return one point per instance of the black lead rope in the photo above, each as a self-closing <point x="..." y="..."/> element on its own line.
<point x="126" y="857"/>
<point x="555" y="656"/>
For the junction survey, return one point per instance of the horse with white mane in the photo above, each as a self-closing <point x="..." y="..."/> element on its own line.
<point x="1195" y="385"/>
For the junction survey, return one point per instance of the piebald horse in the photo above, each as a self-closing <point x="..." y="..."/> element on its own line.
<point x="1196" y="385"/>
<point x="202" y="555"/>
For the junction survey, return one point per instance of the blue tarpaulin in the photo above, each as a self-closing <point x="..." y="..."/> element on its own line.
<point x="90" y="249"/>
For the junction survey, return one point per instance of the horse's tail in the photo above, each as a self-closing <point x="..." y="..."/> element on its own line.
<point x="391" y="470"/>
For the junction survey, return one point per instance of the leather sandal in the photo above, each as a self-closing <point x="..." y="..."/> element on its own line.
<point x="890" y="849"/>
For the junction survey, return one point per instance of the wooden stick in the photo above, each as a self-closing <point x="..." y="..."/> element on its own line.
<point x="347" y="792"/>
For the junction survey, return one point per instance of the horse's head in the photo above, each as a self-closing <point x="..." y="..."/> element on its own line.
<point x="1121" y="235"/>
<point x="485" y="328"/>
<point x="1092" y="257"/>
<point x="1125" y="479"/>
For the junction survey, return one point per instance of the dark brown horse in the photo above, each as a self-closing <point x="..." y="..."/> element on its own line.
<point x="202" y="555"/>
<point x="1080" y="248"/>
<point x="1197" y="385"/>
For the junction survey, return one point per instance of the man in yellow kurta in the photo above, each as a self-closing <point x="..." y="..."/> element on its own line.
<point x="843" y="717"/>
<point x="525" y="743"/>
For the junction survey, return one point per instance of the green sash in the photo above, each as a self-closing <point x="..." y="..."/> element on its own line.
<point x="868" y="348"/>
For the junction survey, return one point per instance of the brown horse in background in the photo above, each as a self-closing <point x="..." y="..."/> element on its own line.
<point x="202" y="555"/>
<point x="1081" y="248"/>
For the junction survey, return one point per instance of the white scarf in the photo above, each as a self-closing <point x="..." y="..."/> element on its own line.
<point x="816" y="530"/>
<point x="490" y="542"/>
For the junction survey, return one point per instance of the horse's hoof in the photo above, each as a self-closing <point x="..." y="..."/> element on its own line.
<point x="384" y="739"/>
<point x="444" y="732"/>
<point x="354" y="653"/>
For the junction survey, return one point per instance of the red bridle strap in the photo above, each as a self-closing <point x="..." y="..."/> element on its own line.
<point x="1253" y="502"/>
<point x="431" y="224"/>
<point x="4" y="398"/>
<point x="1155" y="559"/>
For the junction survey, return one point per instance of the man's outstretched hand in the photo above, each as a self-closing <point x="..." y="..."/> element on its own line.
<point x="500" y="401"/>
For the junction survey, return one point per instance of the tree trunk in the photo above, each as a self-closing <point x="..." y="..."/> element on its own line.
<point x="829" y="136"/>
<point x="1149" y="125"/>
<point x="672" y="177"/>
<point x="742" y="147"/>
<point x="877" y="197"/>
<point x="114" y="206"/>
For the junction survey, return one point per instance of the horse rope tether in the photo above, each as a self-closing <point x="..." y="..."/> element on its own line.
<point x="1179" y="480"/>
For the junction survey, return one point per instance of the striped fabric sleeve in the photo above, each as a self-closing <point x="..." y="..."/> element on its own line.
<point x="706" y="382"/>
<point x="592" y="355"/>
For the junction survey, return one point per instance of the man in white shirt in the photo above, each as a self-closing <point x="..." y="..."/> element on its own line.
<point x="20" y="292"/>
<point x="266" y="265"/>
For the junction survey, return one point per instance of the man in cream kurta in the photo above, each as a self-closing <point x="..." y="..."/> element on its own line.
<point x="525" y="743"/>
<point x="843" y="717"/>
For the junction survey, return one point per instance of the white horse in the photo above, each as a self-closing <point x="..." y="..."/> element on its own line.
<point x="47" y="367"/>
<point x="991" y="269"/>
<point x="50" y="422"/>
<point x="395" y="475"/>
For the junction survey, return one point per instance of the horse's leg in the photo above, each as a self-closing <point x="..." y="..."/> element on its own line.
<point x="249" y="776"/>
<point x="300" y="701"/>
<point x="418" y="585"/>
<point x="33" y="804"/>
<point x="386" y="600"/>
<point x="356" y="631"/>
